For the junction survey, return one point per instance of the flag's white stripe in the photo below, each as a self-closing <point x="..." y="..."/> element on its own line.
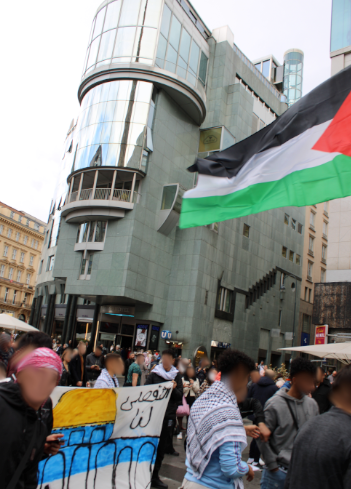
<point x="269" y="166"/>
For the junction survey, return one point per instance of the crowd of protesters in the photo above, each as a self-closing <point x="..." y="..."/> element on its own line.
<point x="299" y="425"/>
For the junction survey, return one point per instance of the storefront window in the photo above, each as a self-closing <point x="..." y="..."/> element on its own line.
<point x="155" y="333"/>
<point x="141" y="335"/>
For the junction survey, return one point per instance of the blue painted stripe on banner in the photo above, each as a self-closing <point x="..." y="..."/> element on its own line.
<point x="85" y="457"/>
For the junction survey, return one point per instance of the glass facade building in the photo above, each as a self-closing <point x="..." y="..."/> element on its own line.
<point x="158" y="90"/>
<point x="293" y="75"/>
<point x="340" y="37"/>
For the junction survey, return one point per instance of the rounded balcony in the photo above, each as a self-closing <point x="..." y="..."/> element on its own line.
<point x="101" y="193"/>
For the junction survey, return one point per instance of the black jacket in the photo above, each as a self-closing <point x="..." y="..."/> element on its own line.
<point x="176" y="397"/>
<point x="92" y="359"/>
<point x="321" y="396"/>
<point x="66" y="379"/>
<point x="263" y="390"/>
<point x="252" y="408"/>
<point x="76" y="371"/>
<point x="321" y="457"/>
<point x="18" y="424"/>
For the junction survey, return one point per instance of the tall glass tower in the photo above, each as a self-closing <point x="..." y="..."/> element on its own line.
<point x="293" y="75"/>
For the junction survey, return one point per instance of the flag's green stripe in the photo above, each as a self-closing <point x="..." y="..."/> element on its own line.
<point x="329" y="181"/>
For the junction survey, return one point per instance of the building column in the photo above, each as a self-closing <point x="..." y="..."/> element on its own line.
<point x="269" y="351"/>
<point x="71" y="320"/>
<point x="113" y="184"/>
<point x="46" y="327"/>
<point x="95" y="183"/>
<point x="32" y="311"/>
<point x="70" y="190"/>
<point x="52" y="315"/>
<point x="133" y="187"/>
<point x="65" y="323"/>
<point x="94" y="328"/>
<point x="80" y="185"/>
<point x="36" y="320"/>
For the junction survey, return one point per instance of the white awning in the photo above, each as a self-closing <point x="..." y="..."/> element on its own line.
<point x="337" y="351"/>
<point x="9" y="322"/>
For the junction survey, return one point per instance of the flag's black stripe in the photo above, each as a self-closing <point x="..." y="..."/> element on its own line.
<point x="318" y="106"/>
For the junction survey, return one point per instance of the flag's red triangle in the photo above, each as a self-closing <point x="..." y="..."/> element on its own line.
<point x="337" y="137"/>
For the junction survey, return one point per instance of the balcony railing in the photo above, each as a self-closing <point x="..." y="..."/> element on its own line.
<point x="85" y="194"/>
<point x="309" y="278"/>
<point x="102" y="194"/>
<point x="120" y="195"/>
<point x="324" y="260"/>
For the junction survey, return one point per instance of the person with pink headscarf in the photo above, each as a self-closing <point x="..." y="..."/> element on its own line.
<point x="22" y="431"/>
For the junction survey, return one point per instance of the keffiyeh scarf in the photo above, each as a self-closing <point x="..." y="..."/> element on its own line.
<point x="42" y="358"/>
<point x="214" y="419"/>
<point x="170" y="375"/>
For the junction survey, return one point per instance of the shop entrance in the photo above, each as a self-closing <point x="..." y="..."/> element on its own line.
<point x="125" y="342"/>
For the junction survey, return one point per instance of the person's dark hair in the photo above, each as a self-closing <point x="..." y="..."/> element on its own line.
<point x="169" y="351"/>
<point x="300" y="365"/>
<point x="176" y="362"/>
<point x="343" y="378"/>
<point x="38" y="339"/>
<point x="229" y="360"/>
<point x="3" y="367"/>
<point x="186" y="376"/>
<point x="108" y="357"/>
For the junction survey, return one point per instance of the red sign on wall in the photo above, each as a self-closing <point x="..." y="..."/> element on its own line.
<point x="321" y="337"/>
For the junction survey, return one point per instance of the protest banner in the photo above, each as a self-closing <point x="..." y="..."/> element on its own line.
<point x="111" y="437"/>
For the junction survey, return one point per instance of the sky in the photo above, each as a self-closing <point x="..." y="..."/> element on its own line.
<point x="43" y="49"/>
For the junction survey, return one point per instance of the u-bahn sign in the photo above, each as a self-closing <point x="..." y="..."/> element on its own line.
<point x="166" y="335"/>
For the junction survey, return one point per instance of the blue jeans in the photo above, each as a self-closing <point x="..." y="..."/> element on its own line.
<point x="273" y="480"/>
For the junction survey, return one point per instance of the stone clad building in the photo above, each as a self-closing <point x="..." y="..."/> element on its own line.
<point x="158" y="89"/>
<point x="21" y="240"/>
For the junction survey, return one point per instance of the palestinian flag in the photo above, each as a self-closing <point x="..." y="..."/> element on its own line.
<point x="302" y="158"/>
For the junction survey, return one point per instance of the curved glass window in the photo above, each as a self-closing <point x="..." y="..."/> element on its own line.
<point x="178" y="52"/>
<point x="112" y="123"/>
<point x="112" y="14"/>
<point x="99" y="22"/>
<point x="135" y="22"/>
<point x="106" y="45"/>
